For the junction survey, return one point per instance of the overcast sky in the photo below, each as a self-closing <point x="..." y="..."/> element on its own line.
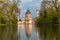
<point x="31" y="5"/>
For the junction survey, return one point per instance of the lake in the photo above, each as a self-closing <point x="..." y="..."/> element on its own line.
<point x="28" y="32"/>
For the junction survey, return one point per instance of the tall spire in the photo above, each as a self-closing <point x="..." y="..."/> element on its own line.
<point x="37" y="12"/>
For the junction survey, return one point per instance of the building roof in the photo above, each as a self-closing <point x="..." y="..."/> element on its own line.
<point x="28" y="12"/>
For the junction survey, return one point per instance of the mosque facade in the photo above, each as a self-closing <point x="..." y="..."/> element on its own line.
<point x="28" y="20"/>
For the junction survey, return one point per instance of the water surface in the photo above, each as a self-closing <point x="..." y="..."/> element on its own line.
<point x="23" y="35"/>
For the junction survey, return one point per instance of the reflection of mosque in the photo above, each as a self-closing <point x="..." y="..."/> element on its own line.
<point x="27" y="25"/>
<point x="27" y="21"/>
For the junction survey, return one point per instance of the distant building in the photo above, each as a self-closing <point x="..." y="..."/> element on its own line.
<point x="37" y="12"/>
<point x="28" y="17"/>
<point x="28" y="20"/>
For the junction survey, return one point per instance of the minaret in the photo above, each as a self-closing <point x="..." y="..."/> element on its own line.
<point x="37" y="12"/>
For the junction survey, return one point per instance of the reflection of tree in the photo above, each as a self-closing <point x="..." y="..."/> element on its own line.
<point x="37" y="34"/>
<point x="8" y="20"/>
<point x="49" y="22"/>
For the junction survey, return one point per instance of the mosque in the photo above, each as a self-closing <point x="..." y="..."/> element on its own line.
<point x="27" y="22"/>
<point x="28" y="18"/>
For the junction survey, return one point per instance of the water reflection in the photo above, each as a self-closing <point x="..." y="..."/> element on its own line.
<point x="28" y="32"/>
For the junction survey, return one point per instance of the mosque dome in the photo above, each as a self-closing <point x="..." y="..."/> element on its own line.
<point x="28" y="12"/>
